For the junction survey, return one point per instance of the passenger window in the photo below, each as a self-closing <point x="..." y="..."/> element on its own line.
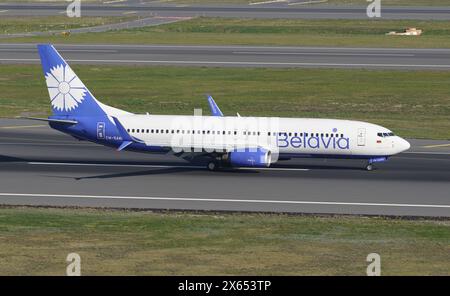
<point x="128" y="130"/>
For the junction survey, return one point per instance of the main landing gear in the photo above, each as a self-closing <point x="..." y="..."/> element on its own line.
<point x="369" y="167"/>
<point x="212" y="165"/>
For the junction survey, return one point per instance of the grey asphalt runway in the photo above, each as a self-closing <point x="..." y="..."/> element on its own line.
<point x="238" y="56"/>
<point x="250" y="11"/>
<point x="39" y="166"/>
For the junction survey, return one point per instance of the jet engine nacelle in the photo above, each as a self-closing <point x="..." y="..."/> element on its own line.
<point x="250" y="157"/>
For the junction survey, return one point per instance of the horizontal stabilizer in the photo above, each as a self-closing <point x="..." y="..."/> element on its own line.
<point x="122" y="131"/>
<point x="126" y="137"/>
<point x="124" y="145"/>
<point x="65" y="121"/>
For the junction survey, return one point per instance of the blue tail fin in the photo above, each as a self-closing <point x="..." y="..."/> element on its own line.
<point x="68" y="95"/>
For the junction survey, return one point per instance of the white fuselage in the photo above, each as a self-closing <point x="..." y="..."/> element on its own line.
<point x="291" y="136"/>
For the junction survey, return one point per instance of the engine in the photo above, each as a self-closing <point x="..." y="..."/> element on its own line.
<point x="250" y="157"/>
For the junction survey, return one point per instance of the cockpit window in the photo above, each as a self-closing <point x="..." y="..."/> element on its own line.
<point x="383" y="135"/>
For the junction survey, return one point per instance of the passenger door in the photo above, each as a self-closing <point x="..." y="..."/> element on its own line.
<point x="361" y="139"/>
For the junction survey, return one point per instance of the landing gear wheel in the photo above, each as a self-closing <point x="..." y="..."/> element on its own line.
<point x="212" y="166"/>
<point x="369" y="167"/>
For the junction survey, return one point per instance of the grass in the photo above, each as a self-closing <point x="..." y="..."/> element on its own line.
<point x="11" y="25"/>
<point x="411" y="103"/>
<point x="36" y="242"/>
<point x="287" y="32"/>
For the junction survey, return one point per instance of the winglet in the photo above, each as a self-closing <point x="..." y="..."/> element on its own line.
<point x="215" y="110"/>
<point x="126" y="137"/>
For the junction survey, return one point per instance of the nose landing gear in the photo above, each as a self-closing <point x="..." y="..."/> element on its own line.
<point x="371" y="161"/>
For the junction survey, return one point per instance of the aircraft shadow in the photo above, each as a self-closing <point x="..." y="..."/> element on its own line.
<point x="4" y="158"/>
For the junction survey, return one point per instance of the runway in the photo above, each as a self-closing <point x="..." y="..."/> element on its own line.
<point x="238" y="56"/>
<point x="39" y="166"/>
<point x="279" y="10"/>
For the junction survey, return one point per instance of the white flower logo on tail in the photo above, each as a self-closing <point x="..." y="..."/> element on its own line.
<point x="65" y="88"/>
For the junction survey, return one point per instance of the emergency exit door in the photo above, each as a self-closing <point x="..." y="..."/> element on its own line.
<point x="361" y="137"/>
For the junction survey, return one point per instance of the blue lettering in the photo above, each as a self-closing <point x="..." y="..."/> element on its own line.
<point x="296" y="142"/>
<point x="345" y="145"/>
<point x="326" y="144"/>
<point x="285" y="140"/>
<point x="316" y="144"/>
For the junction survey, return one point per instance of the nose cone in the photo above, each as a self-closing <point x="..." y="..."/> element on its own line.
<point x="403" y="145"/>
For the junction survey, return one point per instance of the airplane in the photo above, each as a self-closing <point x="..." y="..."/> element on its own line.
<point x="225" y="141"/>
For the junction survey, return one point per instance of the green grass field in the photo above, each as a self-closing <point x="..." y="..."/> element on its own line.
<point x="412" y="103"/>
<point x="11" y="25"/>
<point x="36" y="242"/>
<point x="224" y="31"/>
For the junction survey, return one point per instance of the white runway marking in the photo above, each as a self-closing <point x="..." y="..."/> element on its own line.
<point x="323" y="53"/>
<point x="154" y="166"/>
<point x="333" y="203"/>
<point x="237" y="63"/>
<point x="113" y="1"/>
<point x="437" y="146"/>
<point x="432" y="153"/>
<point x="267" y="2"/>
